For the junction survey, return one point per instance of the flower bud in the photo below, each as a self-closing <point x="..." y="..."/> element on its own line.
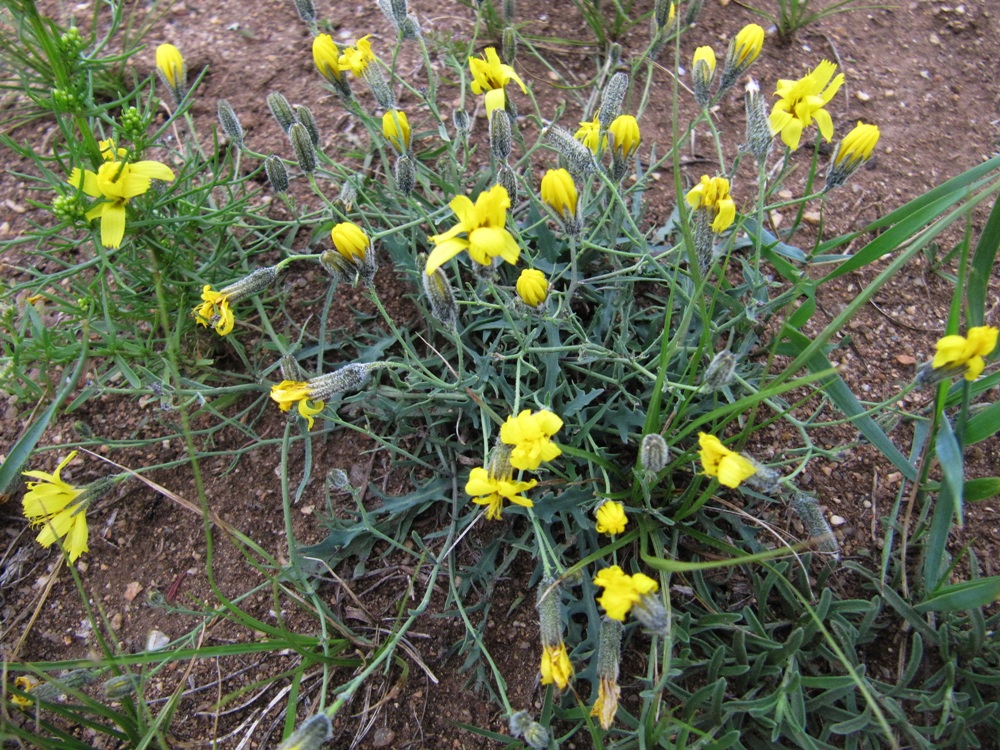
<point x="508" y="10"/>
<point x="348" y="194"/>
<point x="276" y="173"/>
<point x="118" y="687"/>
<point x="852" y="152"/>
<point x="507" y="178"/>
<point x="379" y="88"/>
<point x="611" y="99"/>
<point x="611" y="518"/>
<point x="759" y="136"/>
<point x="743" y="50"/>
<point x="302" y="145"/>
<point x="310" y="735"/>
<point x="821" y="536"/>
<point x="702" y="73"/>
<point x="337" y="266"/>
<point x="532" y="287"/>
<point x="693" y="9"/>
<point x="519" y="723"/>
<point x="172" y="70"/>
<point x="396" y="129"/>
<point x="281" y="110"/>
<point x="664" y="12"/>
<point x="536" y="736"/>
<point x="405" y="174"/>
<point x="558" y="192"/>
<point x="462" y="123"/>
<point x="253" y="283"/>
<point x="306" y="11"/>
<point x="500" y="135"/>
<point x="439" y="293"/>
<point x="609" y="651"/>
<point x="654" y="453"/>
<point x="230" y="123"/>
<point x="508" y="49"/>
<point x="305" y="116"/>
<point x="338" y="479"/>
<point x="579" y="158"/>
<point x="720" y="371"/>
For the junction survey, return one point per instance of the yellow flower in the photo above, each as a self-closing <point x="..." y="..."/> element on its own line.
<point x="531" y="436"/>
<point x="215" y="311"/>
<point x="712" y="195"/>
<point x="480" y="230"/>
<point x="326" y="56"/>
<point x="704" y="55"/>
<point x="624" y="137"/>
<point x="532" y="287"/>
<point x="115" y="183"/>
<point x="589" y="135"/>
<point x="556" y="666"/>
<point x="170" y="63"/>
<point x="622" y="591"/>
<point x="856" y="147"/>
<point x="489" y="76"/>
<point x="491" y="491"/>
<point x="396" y="129"/>
<point x="802" y="101"/>
<point x="608" y="691"/>
<point x="718" y="461"/>
<point x="958" y="352"/>
<point x="289" y="392"/>
<point x="25" y="683"/>
<point x="559" y="193"/>
<point x="356" y="59"/>
<point x="611" y="518"/>
<point x="55" y="505"/>
<point x="351" y="241"/>
<point x="748" y="44"/>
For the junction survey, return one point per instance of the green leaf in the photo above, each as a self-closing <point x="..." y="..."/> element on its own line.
<point x="950" y="455"/>
<point x="982" y="267"/>
<point x="962" y="596"/>
<point x="985" y="423"/>
<point x="981" y="489"/>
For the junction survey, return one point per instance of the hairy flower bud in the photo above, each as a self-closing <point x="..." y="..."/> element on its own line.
<point x="276" y="173"/>
<point x="720" y="371"/>
<point x="305" y="116"/>
<point x="702" y="74"/>
<point x="307" y="11"/>
<point x="172" y="70"/>
<point x="536" y="736"/>
<point x="405" y="174"/>
<point x="519" y="723"/>
<point x="463" y="124"/>
<point x="118" y="687"/>
<point x="759" y="136"/>
<point x="654" y="453"/>
<point x="532" y="287"/>
<point x="290" y="368"/>
<point x="579" y="158"/>
<point x="611" y="99"/>
<point x="379" y="88"/>
<point x="743" y="50"/>
<point x="302" y="145"/>
<point x="507" y="178"/>
<point x="230" y="123"/>
<point x="337" y="266"/>
<point x="310" y="735"/>
<point x="281" y="110"/>
<point x="609" y="651"/>
<point x="500" y="135"/>
<point x="508" y="49"/>
<point x="439" y="293"/>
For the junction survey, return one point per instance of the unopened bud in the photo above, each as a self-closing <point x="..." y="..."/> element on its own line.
<point x="693" y="9"/>
<point x="307" y="11"/>
<point x="337" y="266"/>
<point x="507" y="178"/>
<point x="305" y="116"/>
<point x="230" y="123"/>
<point x="281" y="110"/>
<point x="654" y="453"/>
<point x="614" y="54"/>
<point x="406" y="178"/>
<point x="651" y="613"/>
<point x="519" y="723"/>
<point x="579" y="158"/>
<point x="338" y="479"/>
<point x="119" y="687"/>
<point x="500" y="135"/>
<point x="251" y="284"/>
<point x="720" y="371"/>
<point x="549" y="612"/>
<point x="536" y="736"/>
<point x="611" y="99"/>
<point x="509" y="48"/>
<point x="310" y="735"/>
<point x="302" y="145"/>
<point x="348" y="194"/>
<point x="759" y="136"/>
<point x="508" y="10"/>
<point x="463" y="125"/>
<point x="276" y="173"/>
<point x="290" y="368"/>
<point x="379" y="88"/>
<point x="399" y="11"/>
<point x="662" y="14"/>
<point x="439" y="293"/>
<point x="821" y="536"/>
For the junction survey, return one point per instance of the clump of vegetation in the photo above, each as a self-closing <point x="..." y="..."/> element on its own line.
<point x="595" y="389"/>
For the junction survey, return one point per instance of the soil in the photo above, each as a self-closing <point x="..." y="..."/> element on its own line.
<point x="924" y="71"/>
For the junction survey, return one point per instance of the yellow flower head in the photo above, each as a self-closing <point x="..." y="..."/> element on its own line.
<point x="966" y="353"/>
<point x="356" y="59"/>
<point x="606" y="705"/>
<point x="589" y="135"/>
<point x="611" y="518"/>
<point x="559" y="193"/>
<point x="718" y="461"/>
<point x="480" y="230"/>
<point x="170" y="63"/>
<point x="556" y="667"/>
<point x="624" y="137"/>
<point x="115" y="183"/>
<point x="802" y="101"/>
<point x="532" y="287"/>
<point x="490" y="76"/>
<point x="705" y="55"/>
<point x="748" y="44"/>
<point x="531" y="435"/>
<point x="491" y="491"/>
<point x="289" y="392"/>
<point x="52" y="503"/>
<point x="622" y="591"/>
<point x="326" y="56"/>
<point x="396" y="129"/>
<point x="857" y="146"/>
<point x="712" y="194"/>
<point x="215" y="311"/>
<point x="25" y="683"/>
<point x="351" y="241"/>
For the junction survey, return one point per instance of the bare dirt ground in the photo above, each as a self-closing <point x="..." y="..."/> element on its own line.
<point x="924" y="71"/>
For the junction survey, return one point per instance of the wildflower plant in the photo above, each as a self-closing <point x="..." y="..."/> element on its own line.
<point x="569" y="385"/>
